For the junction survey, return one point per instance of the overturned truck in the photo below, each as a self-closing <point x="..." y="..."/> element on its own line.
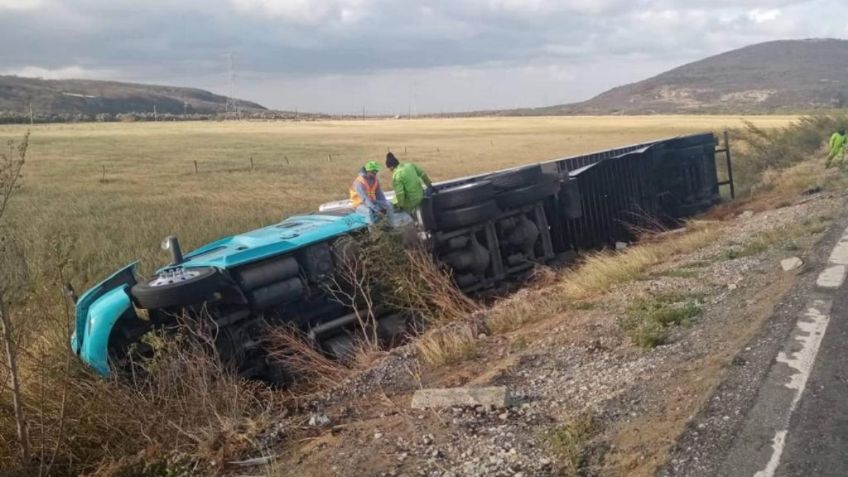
<point x="486" y="230"/>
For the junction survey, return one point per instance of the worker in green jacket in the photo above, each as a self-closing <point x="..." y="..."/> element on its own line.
<point x="836" y="154"/>
<point x="408" y="182"/>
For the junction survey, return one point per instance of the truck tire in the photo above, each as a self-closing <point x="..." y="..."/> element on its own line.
<point x="464" y="216"/>
<point x="528" y="194"/>
<point x="199" y="287"/>
<point x="516" y="178"/>
<point x="340" y="347"/>
<point x="463" y="195"/>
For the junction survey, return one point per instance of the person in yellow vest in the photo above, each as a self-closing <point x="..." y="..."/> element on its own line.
<point x="409" y="182"/>
<point x="836" y="149"/>
<point x="367" y="197"/>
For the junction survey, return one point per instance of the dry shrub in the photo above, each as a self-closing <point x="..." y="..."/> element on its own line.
<point x="405" y="279"/>
<point x="758" y="150"/>
<point x="408" y="280"/>
<point x="183" y="406"/>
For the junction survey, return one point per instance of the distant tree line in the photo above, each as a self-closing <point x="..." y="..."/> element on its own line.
<point x="15" y="117"/>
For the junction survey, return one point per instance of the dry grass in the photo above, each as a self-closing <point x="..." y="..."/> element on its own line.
<point x="578" y="287"/>
<point x="308" y="366"/>
<point x="511" y="314"/>
<point x="602" y="271"/>
<point x="447" y="344"/>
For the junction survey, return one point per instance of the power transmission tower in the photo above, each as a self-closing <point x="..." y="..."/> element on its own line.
<point x="231" y="80"/>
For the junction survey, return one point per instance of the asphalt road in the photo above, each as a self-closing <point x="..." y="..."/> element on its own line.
<point x="783" y="410"/>
<point x="798" y="424"/>
<point x="817" y="438"/>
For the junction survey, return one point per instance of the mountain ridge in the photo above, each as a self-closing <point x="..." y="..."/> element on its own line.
<point x="86" y="97"/>
<point x="769" y="77"/>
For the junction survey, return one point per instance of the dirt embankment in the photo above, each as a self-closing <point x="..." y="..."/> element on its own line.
<point x="586" y="399"/>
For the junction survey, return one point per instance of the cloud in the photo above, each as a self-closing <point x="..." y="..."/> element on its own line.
<point x="759" y="15"/>
<point x="67" y="72"/>
<point x="21" y="4"/>
<point x="307" y="12"/>
<point x="295" y="42"/>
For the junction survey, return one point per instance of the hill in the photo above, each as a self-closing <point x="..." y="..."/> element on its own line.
<point x="90" y="98"/>
<point x="776" y="76"/>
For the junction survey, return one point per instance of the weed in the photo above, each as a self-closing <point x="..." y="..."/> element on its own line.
<point x="817" y="225"/>
<point x="648" y="334"/>
<point x="648" y="321"/>
<point x="569" y="442"/>
<point x="519" y="344"/>
<point x="790" y="245"/>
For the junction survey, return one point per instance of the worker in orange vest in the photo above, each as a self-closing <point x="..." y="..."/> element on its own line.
<point x="367" y="197"/>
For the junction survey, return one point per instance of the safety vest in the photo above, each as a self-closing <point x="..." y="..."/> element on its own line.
<point x="370" y="190"/>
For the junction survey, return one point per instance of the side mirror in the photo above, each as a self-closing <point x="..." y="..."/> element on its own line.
<point x="172" y="244"/>
<point x="70" y="292"/>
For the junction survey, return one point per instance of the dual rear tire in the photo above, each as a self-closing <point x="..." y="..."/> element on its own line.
<point x="477" y="202"/>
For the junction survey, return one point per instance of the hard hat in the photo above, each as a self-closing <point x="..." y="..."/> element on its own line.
<point x="372" y="166"/>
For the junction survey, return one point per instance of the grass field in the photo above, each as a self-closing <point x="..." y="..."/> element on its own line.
<point x="108" y="193"/>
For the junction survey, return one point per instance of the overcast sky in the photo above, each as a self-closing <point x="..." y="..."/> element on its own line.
<point x="393" y="56"/>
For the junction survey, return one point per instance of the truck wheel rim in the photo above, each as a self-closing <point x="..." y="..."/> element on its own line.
<point x="173" y="276"/>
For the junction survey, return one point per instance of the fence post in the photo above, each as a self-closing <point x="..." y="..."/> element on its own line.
<point x="103" y="179"/>
<point x="251" y="163"/>
<point x="729" y="165"/>
<point x="195" y="167"/>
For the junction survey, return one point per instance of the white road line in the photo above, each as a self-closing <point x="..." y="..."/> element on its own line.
<point x="777" y="444"/>
<point x="808" y="333"/>
<point x="832" y="277"/>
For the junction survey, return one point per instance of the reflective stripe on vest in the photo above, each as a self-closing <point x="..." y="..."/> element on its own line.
<point x="370" y="190"/>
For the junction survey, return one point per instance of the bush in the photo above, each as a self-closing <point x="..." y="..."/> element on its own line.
<point x="757" y="150"/>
